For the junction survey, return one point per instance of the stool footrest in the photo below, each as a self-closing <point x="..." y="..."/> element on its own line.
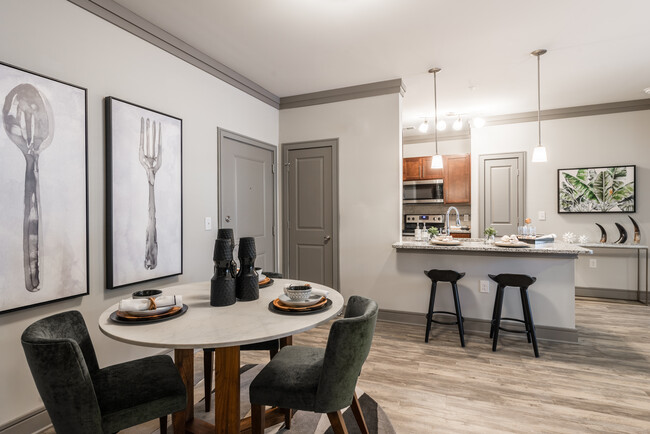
<point x="443" y="312"/>
<point x="513" y="330"/>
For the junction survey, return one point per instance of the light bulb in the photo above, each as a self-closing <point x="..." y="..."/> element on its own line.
<point x="441" y="126"/>
<point x="479" y="122"/>
<point x="424" y="126"/>
<point x="539" y="154"/>
<point x="436" y="162"/>
<point x="458" y="124"/>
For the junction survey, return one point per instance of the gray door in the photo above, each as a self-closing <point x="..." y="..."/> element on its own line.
<point x="501" y="192"/>
<point x="310" y="210"/>
<point x="247" y="193"/>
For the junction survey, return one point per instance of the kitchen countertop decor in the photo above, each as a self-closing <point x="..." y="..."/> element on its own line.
<point x="478" y="246"/>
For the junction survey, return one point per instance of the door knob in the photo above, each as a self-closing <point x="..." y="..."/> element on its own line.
<point x="227" y="219"/>
<point x="326" y="238"/>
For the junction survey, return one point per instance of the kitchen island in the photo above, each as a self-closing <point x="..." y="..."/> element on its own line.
<point x="552" y="297"/>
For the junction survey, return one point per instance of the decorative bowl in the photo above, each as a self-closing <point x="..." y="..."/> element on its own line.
<point x="298" y="292"/>
<point x="147" y="293"/>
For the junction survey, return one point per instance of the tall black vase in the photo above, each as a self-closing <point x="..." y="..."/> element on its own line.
<point x="227" y="233"/>
<point x="247" y="285"/>
<point x="223" y="283"/>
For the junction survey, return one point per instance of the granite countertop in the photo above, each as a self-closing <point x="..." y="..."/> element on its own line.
<point x="613" y="245"/>
<point x="478" y="245"/>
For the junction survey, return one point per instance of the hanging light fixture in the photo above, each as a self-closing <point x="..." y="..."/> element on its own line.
<point x="478" y="122"/>
<point x="424" y="126"/>
<point x="436" y="160"/>
<point x="539" y="153"/>
<point x="442" y="125"/>
<point x="458" y="124"/>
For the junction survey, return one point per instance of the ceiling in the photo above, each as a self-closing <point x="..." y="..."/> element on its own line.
<point x="598" y="50"/>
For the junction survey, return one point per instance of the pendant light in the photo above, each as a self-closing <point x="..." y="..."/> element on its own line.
<point x="424" y="126"/>
<point x="539" y="153"/>
<point x="436" y="160"/>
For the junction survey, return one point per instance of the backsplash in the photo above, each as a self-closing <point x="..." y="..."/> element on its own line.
<point x="434" y="208"/>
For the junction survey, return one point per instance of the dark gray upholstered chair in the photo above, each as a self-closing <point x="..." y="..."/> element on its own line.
<point x="316" y="379"/>
<point x="82" y="398"/>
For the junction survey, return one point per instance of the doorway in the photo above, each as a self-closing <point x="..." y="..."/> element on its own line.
<point x="502" y="193"/>
<point x="247" y="188"/>
<point x="310" y="218"/>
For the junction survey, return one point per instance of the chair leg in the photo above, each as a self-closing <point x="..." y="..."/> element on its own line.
<point x="496" y="323"/>
<point x="459" y="315"/>
<point x="522" y="293"/>
<point x="432" y="300"/>
<point x="337" y="422"/>
<point x="494" y="313"/>
<point x="287" y="417"/>
<point x="208" y="354"/>
<point x="358" y="415"/>
<point x="257" y="419"/>
<point x="163" y="424"/>
<point x="531" y="325"/>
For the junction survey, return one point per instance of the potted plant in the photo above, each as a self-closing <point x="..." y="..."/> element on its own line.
<point x="433" y="231"/>
<point x="489" y="234"/>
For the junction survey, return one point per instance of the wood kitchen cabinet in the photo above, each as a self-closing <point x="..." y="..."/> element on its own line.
<point x="457" y="178"/>
<point x="419" y="168"/>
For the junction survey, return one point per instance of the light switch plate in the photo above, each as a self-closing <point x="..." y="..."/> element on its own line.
<point x="484" y="286"/>
<point x="208" y="223"/>
<point x="541" y="216"/>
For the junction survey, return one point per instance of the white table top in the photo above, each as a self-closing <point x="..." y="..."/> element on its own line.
<point x="205" y="326"/>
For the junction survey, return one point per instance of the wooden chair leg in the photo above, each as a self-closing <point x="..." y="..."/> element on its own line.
<point x="287" y="417"/>
<point x="337" y="422"/>
<point x="257" y="419"/>
<point x="208" y="353"/>
<point x="358" y="415"/>
<point x="163" y="425"/>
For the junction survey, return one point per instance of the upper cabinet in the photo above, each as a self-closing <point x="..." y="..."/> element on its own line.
<point x="417" y="168"/>
<point x="457" y="178"/>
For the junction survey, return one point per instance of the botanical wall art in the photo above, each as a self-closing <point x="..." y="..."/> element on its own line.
<point x="43" y="197"/>
<point x="144" y="194"/>
<point x="597" y="189"/>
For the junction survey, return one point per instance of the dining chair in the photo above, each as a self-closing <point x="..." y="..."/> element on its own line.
<point x="82" y="398"/>
<point x="321" y="380"/>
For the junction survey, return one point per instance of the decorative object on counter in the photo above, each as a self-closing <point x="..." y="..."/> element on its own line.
<point x="603" y="234"/>
<point x="583" y="239"/>
<point x="229" y="234"/>
<point x="418" y="233"/>
<point x="569" y="237"/>
<point x="433" y="231"/>
<point x="489" y="235"/>
<point x="622" y="238"/>
<point x="223" y="283"/>
<point x="597" y="190"/>
<point x="637" y="232"/>
<point x="539" y="152"/>
<point x="247" y="283"/>
<point x="538" y="239"/>
<point x="436" y="160"/>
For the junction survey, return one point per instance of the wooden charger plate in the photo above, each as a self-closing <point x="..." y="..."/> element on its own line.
<point x="278" y="307"/>
<point x="123" y="317"/>
<point x="266" y="282"/>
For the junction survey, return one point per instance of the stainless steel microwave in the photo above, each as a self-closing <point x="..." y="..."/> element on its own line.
<point x="426" y="191"/>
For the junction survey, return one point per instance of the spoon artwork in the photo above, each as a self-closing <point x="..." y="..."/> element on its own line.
<point x="29" y="123"/>
<point x="151" y="160"/>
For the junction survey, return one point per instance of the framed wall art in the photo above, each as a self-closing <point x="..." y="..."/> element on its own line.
<point x="610" y="189"/>
<point x="43" y="190"/>
<point x="144" y="194"/>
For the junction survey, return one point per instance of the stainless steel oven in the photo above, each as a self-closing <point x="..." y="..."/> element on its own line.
<point x="426" y="191"/>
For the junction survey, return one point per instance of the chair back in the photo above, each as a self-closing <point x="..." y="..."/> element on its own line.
<point x="62" y="360"/>
<point x="348" y="346"/>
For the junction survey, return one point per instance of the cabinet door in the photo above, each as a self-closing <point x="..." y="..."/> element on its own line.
<point x="428" y="172"/>
<point x="411" y="169"/>
<point x="457" y="178"/>
<point x="460" y="235"/>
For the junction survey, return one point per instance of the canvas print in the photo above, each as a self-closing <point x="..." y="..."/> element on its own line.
<point x="144" y="194"/>
<point x="597" y="189"/>
<point x="43" y="198"/>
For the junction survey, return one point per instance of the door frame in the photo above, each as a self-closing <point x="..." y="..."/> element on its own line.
<point x="221" y="135"/>
<point x="322" y="143"/>
<point x="521" y="184"/>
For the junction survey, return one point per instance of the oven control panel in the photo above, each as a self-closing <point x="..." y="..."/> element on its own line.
<point x="424" y="218"/>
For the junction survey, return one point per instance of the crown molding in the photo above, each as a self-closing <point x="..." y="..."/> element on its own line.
<point x="452" y="135"/>
<point x="138" y="26"/>
<point x="344" y="94"/>
<point x="570" y="112"/>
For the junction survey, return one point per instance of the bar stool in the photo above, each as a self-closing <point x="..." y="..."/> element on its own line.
<point x="521" y="281"/>
<point x="451" y="277"/>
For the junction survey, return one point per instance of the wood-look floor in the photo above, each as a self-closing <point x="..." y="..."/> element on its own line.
<point x="600" y="384"/>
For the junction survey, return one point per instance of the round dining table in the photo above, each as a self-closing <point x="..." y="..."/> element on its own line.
<point x="223" y="328"/>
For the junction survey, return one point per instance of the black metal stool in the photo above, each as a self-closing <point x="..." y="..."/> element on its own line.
<point x="451" y="277"/>
<point x="521" y="281"/>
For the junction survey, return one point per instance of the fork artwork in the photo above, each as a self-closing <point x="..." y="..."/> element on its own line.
<point x="151" y="160"/>
<point x="29" y="123"/>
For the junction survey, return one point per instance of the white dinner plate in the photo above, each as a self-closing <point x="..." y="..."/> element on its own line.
<point x="152" y="312"/>
<point x="502" y="244"/>
<point x="312" y="300"/>
<point x="261" y="277"/>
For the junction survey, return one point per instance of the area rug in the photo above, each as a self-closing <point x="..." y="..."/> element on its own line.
<point x="304" y="422"/>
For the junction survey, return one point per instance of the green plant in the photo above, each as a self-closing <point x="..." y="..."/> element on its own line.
<point x="433" y="231"/>
<point x="589" y="190"/>
<point x="490" y="231"/>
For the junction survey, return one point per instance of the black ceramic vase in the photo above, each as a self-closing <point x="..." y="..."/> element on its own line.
<point x="227" y="233"/>
<point x="247" y="282"/>
<point x="223" y="283"/>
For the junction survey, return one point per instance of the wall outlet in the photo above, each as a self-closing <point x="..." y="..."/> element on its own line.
<point x="484" y="286"/>
<point x="593" y="263"/>
<point x="541" y="216"/>
<point x="208" y="223"/>
<point x="466" y="217"/>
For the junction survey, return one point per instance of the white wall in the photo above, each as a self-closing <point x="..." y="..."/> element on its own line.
<point x="369" y="133"/>
<point x="612" y="139"/>
<point x="61" y="40"/>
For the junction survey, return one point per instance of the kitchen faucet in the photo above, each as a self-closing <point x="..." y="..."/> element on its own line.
<point x="447" y="219"/>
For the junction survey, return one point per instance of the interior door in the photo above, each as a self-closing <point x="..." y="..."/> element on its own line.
<point x="501" y="191"/>
<point x="309" y="213"/>
<point x="247" y="198"/>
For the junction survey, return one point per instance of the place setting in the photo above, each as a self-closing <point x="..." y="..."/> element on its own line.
<point x="511" y="241"/>
<point x="300" y="299"/>
<point x="148" y="306"/>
